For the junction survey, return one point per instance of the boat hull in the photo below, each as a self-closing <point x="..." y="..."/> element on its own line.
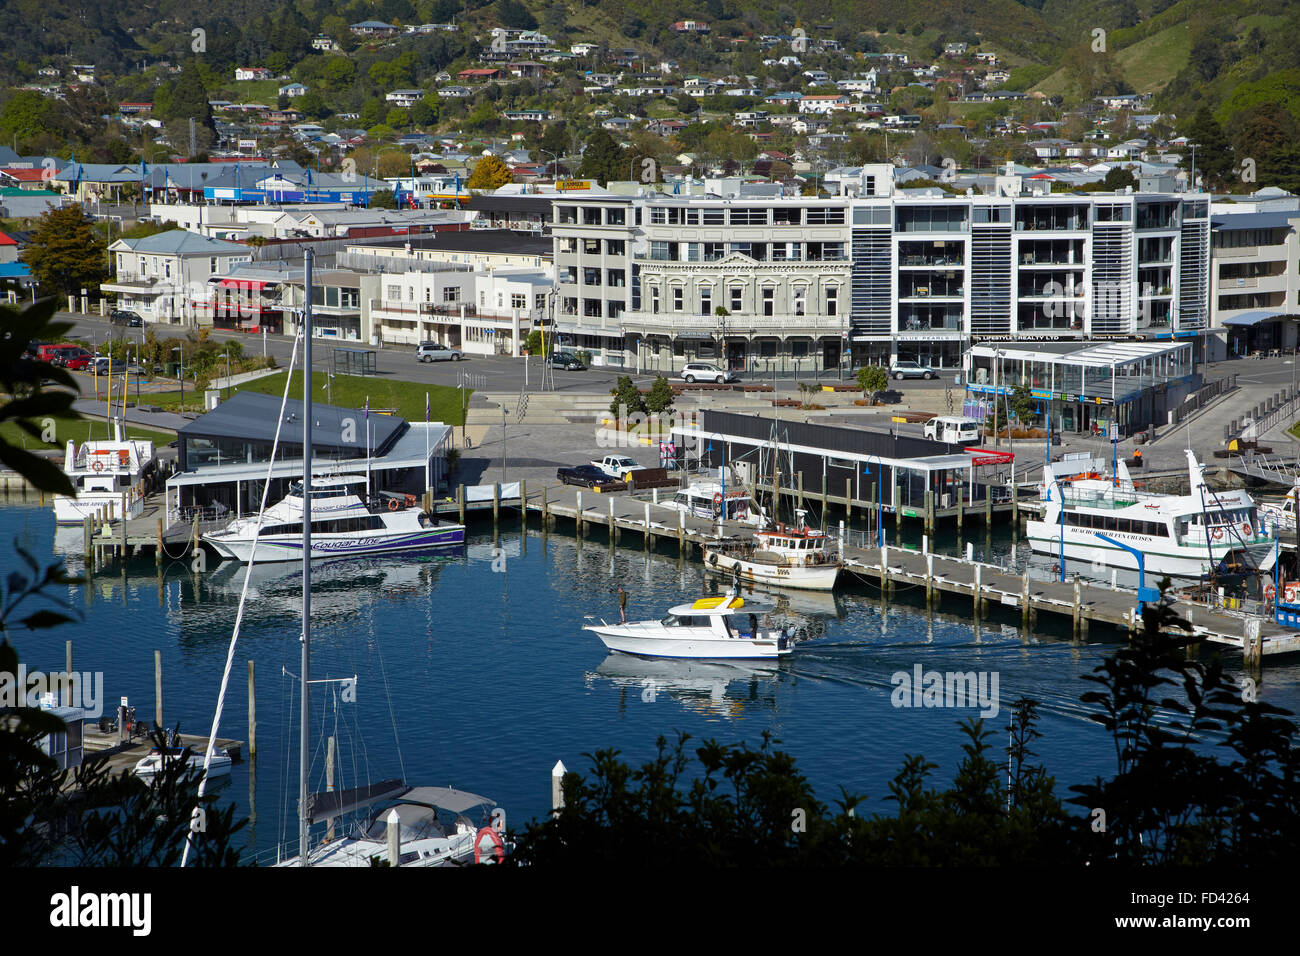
<point x="820" y="577"/>
<point x="289" y="547"/>
<point x="1185" y="561"/>
<point x="702" y="647"/>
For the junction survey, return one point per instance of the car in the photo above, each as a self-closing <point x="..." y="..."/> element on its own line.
<point x="588" y="476"/>
<point x="907" y="369"/>
<point x="567" y="361"/>
<point x="126" y="317"/>
<point x="75" y="360"/>
<point x="437" y="352"/>
<point x="706" y="372"/>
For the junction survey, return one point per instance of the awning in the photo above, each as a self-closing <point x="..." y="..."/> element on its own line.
<point x="710" y="336"/>
<point x="1253" y="318"/>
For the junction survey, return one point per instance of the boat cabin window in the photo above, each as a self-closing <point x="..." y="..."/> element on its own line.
<point x="328" y="526"/>
<point x="1111" y="523"/>
<point x="686" y="620"/>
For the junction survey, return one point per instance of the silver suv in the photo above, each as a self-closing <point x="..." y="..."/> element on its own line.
<point x="437" y="352"/>
<point x="706" y="372"/>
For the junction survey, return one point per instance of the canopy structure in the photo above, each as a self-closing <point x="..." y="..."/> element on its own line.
<point x="1253" y="318"/>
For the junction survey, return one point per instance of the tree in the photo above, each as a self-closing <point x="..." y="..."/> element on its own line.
<point x="1022" y="404"/>
<point x="660" y="399"/>
<point x="515" y="14"/>
<point x="424" y="112"/>
<point x="490" y="173"/>
<point x="384" y="199"/>
<point x="23" y="379"/>
<point x="1117" y="179"/>
<point x="627" y="397"/>
<point x="602" y="160"/>
<point x="873" y="379"/>
<point x="1214" y="158"/>
<point x="65" y="255"/>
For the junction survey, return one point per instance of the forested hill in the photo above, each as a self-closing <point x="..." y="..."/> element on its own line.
<point x="1217" y="53"/>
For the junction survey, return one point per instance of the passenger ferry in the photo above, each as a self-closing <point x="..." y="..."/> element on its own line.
<point x="102" y="472"/>
<point x="342" y="524"/>
<point x="1188" y="536"/>
<point x="792" y="557"/>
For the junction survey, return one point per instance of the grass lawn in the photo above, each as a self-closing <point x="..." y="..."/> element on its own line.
<point x="349" y="391"/>
<point x="78" y="431"/>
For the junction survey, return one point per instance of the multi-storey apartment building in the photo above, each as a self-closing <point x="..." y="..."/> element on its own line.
<point x="793" y="283"/>
<point x="1255" y="281"/>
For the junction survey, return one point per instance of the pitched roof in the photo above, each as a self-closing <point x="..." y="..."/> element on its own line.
<point x="178" y="242"/>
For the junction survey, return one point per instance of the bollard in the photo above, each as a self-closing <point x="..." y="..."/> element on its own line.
<point x="252" y="715"/>
<point x="1075" y="620"/>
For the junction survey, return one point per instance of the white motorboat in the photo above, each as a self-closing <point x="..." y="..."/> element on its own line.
<point x="704" y="499"/>
<point x="437" y="828"/>
<point x="105" y="474"/>
<point x="1190" y="535"/>
<point x="1280" y="515"/>
<point x="342" y="524"/>
<point x="791" y="557"/>
<point x="157" y="761"/>
<point x="714" y="628"/>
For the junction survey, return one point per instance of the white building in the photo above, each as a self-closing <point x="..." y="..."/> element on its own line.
<point x="159" y="276"/>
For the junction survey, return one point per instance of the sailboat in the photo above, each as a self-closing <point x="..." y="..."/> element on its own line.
<point x="428" y="840"/>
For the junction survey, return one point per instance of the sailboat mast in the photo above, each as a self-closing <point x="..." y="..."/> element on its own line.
<point x="303" y="826"/>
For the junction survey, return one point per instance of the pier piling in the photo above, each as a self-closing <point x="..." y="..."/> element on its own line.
<point x="157" y="688"/>
<point x="252" y="714"/>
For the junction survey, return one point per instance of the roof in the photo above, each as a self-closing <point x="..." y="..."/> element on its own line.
<point x="1255" y="220"/>
<point x="252" y="416"/>
<point x="179" y="242"/>
<point x="501" y="241"/>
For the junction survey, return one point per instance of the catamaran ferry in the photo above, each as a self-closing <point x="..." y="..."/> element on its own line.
<point x="1189" y="536"/>
<point x="109" y="476"/>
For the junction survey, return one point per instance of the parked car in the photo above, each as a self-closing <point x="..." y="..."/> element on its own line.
<point x="75" y="360"/>
<point x="437" y="352"/>
<point x="588" y="476"/>
<point x="57" y="353"/>
<point x="706" y="372"/>
<point x="126" y="317"/>
<point x="907" y="369"/>
<point x="567" y="361"/>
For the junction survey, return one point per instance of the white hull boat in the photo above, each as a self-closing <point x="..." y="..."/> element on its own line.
<point x="705" y="499"/>
<point x="1188" y="536"/>
<point x="798" y="557"/>
<point x="108" y="476"/>
<point x="725" y="628"/>
<point x="342" y="526"/>
<point x="154" y="764"/>
<point x="435" y="828"/>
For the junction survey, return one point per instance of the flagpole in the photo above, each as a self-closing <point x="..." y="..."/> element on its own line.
<point x="368" y="490"/>
<point x="427" y="486"/>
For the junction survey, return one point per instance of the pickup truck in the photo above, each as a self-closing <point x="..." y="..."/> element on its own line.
<point x="617" y="466"/>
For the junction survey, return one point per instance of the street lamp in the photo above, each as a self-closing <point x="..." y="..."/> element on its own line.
<point x="555" y="163"/>
<point x="180" y="374"/>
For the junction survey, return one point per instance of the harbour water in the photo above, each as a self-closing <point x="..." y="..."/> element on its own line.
<point x="473" y="670"/>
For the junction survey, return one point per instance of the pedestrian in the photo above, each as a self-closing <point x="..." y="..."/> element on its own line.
<point x="622" y="605"/>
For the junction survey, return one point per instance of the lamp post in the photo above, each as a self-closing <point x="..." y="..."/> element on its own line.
<point x="555" y="163"/>
<point x="180" y="374"/>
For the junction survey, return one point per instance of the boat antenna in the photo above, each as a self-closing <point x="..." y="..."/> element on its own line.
<point x="304" y="825"/>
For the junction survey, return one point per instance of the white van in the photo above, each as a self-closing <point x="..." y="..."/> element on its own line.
<point x="954" y="431"/>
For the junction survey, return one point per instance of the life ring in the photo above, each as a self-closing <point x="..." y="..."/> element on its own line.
<point x="1291" y="592"/>
<point x="713" y="559"/>
<point x="393" y="504"/>
<point x="1216" y="533"/>
<point x="498" y="850"/>
<point x="1269" y="592"/>
<point x="1245" y="530"/>
<point x="97" y="465"/>
<point x="717" y="498"/>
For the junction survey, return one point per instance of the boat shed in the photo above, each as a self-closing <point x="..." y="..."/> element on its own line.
<point x="1085" y="386"/>
<point x="867" y="465"/>
<point x="222" y="455"/>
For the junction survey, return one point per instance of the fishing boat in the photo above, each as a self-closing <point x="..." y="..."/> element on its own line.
<point x="157" y="760"/>
<point x="789" y="556"/>
<point x="108" y="476"/>
<point x="439" y="826"/>
<point x="704" y="499"/>
<point x="342" y="524"/>
<point x="1191" y="536"/>
<point x="711" y="628"/>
